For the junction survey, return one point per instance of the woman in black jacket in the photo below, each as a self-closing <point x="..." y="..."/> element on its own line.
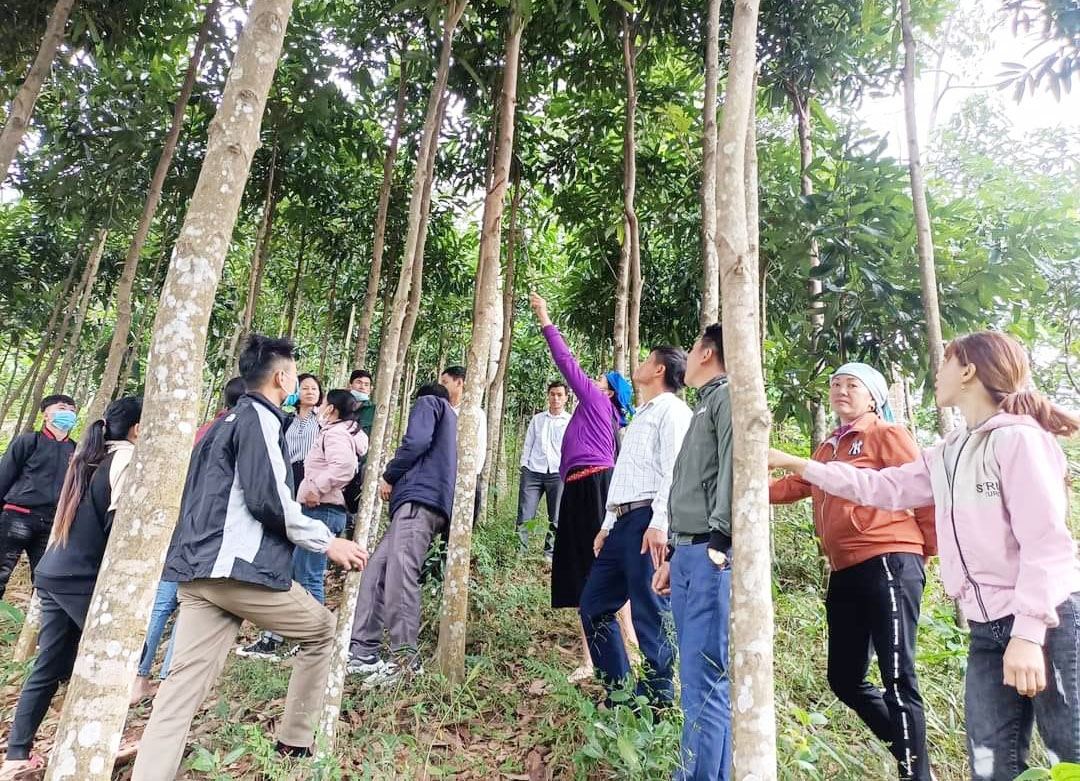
<point x="66" y="575"/>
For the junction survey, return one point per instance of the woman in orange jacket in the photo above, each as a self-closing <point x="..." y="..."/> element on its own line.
<point x="876" y="558"/>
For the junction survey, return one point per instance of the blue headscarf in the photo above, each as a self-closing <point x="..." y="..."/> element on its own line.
<point x="623" y="394"/>
<point x="874" y="382"/>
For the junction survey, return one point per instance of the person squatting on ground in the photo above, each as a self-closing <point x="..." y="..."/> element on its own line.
<point x="418" y="483"/>
<point x="632" y="541"/>
<point x="67" y="573"/>
<point x="540" y="459"/>
<point x="998" y="485"/>
<point x="232" y="554"/>
<point x="876" y="561"/>
<point x="166" y="601"/>
<point x="31" y="473"/>
<point x="589" y="447"/>
<point x="697" y="573"/>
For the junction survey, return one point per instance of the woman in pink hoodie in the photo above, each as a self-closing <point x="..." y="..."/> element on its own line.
<point x="330" y="465"/>
<point x="1000" y="492"/>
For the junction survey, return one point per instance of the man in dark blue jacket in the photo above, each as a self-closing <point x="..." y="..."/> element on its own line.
<point x="232" y="555"/>
<point x="31" y="474"/>
<point x="419" y="485"/>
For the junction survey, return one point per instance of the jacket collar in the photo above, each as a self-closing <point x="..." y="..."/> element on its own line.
<point x="258" y="398"/>
<point x="716" y="382"/>
<point x="864" y="422"/>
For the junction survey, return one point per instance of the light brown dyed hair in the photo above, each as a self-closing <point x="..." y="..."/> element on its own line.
<point x="1002" y="366"/>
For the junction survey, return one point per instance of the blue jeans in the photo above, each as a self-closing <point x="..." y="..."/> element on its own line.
<point x="165" y="604"/>
<point x="999" y="719"/>
<point x="622" y="572"/>
<point x="701" y="606"/>
<point x="309" y="568"/>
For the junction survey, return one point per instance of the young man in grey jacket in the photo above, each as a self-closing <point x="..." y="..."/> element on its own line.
<point x="697" y="574"/>
<point x="232" y="555"/>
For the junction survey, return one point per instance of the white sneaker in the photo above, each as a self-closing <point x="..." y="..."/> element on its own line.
<point x="392" y="673"/>
<point x="365" y="665"/>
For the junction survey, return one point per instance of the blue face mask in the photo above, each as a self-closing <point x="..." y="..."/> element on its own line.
<point x="360" y="395"/>
<point x="64" y="420"/>
<point x="293" y="398"/>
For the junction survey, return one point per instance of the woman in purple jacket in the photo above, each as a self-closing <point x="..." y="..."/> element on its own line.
<point x="588" y="458"/>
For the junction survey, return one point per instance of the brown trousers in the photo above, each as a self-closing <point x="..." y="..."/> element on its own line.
<point x="212" y="611"/>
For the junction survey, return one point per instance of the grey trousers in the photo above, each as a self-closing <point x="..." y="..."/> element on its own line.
<point x="390" y="587"/>
<point x="533" y="485"/>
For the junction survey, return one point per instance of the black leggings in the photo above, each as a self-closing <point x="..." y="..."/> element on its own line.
<point x="874" y="606"/>
<point x="62" y="617"/>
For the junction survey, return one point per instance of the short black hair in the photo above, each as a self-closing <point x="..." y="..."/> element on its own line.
<point x="234" y="389"/>
<point x="674" y="362"/>
<point x="433" y="389"/>
<point x="357" y="375"/>
<point x="310" y="376"/>
<point x="713" y="338"/>
<point x="262" y="356"/>
<point x="457" y="372"/>
<point x="57" y="398"/>
<point x="558" y="384"/>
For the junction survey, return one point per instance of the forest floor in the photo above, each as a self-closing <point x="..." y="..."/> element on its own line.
<point x="516" y="717"/>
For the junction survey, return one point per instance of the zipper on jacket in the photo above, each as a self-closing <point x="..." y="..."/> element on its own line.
<point x="956" y="537"/>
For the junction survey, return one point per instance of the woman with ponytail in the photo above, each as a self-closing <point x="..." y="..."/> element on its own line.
<point x="999" y="488"/>
<point x="67" y="573"/>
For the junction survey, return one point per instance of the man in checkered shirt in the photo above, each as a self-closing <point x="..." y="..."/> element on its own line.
<point x="632" y="542"/>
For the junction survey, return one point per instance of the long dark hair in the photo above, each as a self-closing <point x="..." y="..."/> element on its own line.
<point x="120" y="416"/>
<point x="345" y="404"/>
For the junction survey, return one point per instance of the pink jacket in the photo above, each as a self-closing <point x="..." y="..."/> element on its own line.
<point x="1000" y="496"/>
<point x="331" y="462"/>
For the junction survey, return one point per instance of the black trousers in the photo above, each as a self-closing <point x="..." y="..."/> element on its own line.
<point x="874" y="605"/>
<point x="62" y="617"/>
<point x="21" y="532"/>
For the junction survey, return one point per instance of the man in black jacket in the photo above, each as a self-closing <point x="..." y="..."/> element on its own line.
<point x="232" y="555"/>
<point x="31" y="474"/>
<point x="419" y="484"/>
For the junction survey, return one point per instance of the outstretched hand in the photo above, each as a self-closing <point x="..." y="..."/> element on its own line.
<point x="778" y="459"/>
<point x="539" y="306"/>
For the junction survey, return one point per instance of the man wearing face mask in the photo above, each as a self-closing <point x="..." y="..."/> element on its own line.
<point x="232" y="554"/>
<point x="360" y="385"/>
<point x="31" y="474"/>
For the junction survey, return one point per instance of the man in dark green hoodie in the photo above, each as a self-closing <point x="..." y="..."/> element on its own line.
<point x="697" y="573"/>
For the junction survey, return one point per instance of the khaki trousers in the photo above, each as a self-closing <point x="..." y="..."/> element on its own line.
<point x="211" y="612"/>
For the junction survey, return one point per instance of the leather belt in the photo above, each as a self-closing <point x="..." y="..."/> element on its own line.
<point x="678" y="538"/>
<point x="623" y="509"/>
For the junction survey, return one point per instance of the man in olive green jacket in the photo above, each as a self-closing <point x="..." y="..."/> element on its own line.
<point x="697" y="574"/>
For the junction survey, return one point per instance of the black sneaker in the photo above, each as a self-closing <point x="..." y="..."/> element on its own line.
<point x="296" y="752"/>
<point x="264" y="648"/>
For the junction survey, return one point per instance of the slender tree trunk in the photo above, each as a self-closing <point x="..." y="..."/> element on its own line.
<point x="294" y="291"/>
<point x="92" y="719"/>
<point x="801" y="108"/>
<point x="93" y="265"/>
<point x="752" y="694"/>
<point x="388" y="350"/>
<point x="22" y="108"/>
<point x="145" y="318"/>
<point x="496" y="410"/>
<point x="450" y="653"/>
<point x="710" y="287"/>
<point x="632" y="232"/>
<point x="329" y="327"/>
<point x="122" y="325"/>
<point x="343" y="371"/>
<point x="923" y="235"/>
<point x="363" y="336"/>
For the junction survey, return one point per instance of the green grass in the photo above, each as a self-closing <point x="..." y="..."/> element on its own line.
<point x="515" y="716"/>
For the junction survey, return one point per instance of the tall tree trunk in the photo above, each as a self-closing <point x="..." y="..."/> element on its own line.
<point x="363" y="336"/>
<point x="343" y="371"/>
<point x="450" y="653"/>
<point x="22" y="108"/>
<point x="329" y="327"/>
<point x="801" y="108"/>
<point x="924" y="237"/>
<point x="93" y="264"/>
<point x="92" y="719"/>
<point x="294" y="291"/>
<point x="122" y="325"/>
<point x="710" y="285"/>
<point x="496" y="410"/>
<point x="752" y="693"/>
<point x="388" y="350"/>
<point x="632" y="232"/>
<point x="145" y="318"/>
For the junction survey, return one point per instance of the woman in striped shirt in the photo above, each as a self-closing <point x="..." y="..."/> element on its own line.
<point x="303" y="425"/>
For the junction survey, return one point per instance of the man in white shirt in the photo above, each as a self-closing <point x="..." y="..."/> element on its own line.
<point x="632" y="541"/>
<point x="540" y="467"/>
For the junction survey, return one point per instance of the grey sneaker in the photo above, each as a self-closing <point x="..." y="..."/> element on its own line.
<point x="365" y="665"/>
<point x="404" y="666"/>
